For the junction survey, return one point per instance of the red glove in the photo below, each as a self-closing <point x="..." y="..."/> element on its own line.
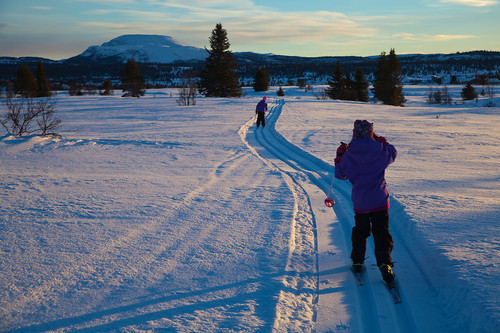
<point x="340" y="152"/>
<point x="380" y="139"/>
<point x="342" y="149"/>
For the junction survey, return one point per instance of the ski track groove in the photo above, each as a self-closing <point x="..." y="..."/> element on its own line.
<point x="320" y="173"/>
<point x="297" y="308"/>
<point x="87" y="269"/>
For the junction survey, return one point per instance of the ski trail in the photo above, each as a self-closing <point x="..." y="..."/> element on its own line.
<point x="296" y="305"/>
<point x="346" y="306"/>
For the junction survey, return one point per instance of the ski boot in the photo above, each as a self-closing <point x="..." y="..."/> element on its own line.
<point x="387" y="273"/>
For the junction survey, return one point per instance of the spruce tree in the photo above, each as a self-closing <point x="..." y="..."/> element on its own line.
<point x="381" y="85"/>
<point x="337" y="84"/>
<point x="468" y="92"/>
<point x="454" y="80"/>
<point x="25" y="83"/>
<point x="360" y="86"/>
<point x="107" y="88"/>
<point x="397" y="97"/>
<point x="132" y="79"/>
<point x="43" y="86"/>
<point x="218" y="78"/>
<point x="261" y="80"/>
<point x="388" y="85"/>
<point x="280" y="92"/>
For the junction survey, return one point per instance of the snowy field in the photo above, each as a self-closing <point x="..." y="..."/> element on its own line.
<point x="148" y="216"/>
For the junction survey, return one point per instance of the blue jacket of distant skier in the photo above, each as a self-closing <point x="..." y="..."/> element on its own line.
<point x="364" y="164"/>
<point x="261" y="106"/>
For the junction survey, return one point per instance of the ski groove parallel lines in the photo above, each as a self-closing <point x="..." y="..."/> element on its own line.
<point x="293" y="156"/>
<point x="301" y="277"/>
<point x="299" y="164"/>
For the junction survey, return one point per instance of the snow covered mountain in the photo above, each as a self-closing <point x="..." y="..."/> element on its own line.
<point x="143" y="48"/>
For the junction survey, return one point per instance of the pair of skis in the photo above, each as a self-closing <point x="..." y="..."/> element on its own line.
<point x="393" y="289"/>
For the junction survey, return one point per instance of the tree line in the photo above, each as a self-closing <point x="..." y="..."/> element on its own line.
<point x="218" y="77"/>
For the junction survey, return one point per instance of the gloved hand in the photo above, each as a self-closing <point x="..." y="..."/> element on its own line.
<point x="342" y="149"/>
<point x="340" y="152"/>
<point x="380" y="139"/>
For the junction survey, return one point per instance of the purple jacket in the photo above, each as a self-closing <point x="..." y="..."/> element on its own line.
<point x="261" y="106"/>
<point x="364" y="165"/>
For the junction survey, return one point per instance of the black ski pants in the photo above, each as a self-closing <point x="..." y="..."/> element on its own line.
<point x="261" y="118"/>
<point x="366" y="224"/>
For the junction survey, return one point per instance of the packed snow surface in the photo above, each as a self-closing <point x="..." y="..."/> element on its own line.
<point x="149" y="216"/>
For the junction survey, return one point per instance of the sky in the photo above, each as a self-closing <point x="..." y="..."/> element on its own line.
<point x="59" y="29"/>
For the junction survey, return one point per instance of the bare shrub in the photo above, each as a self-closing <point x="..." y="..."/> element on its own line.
<point x="47" y="123"/>
<point x="24" y="113"/>
<point x="187" y="93"/>
<point x="320" y="94"/>
<point x="439" y="96"/>
<point x="490" y="91"/>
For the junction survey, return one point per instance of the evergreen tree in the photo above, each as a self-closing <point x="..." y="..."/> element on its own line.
<point x="388" y="85"/>
<point x="218" y="78"/>
<point x="75" y="88"/>
<point x="261" y="80"/>
<point x="280" y="92"/>
<point x="301" y="82"/>
<point x="468" y="92"/>
<point x="132" y="79"/>
<point x="381" y="85"/>
<point x="107" y="88"/>
<point x="454" y="80"/>
<point x="348" y="93"/>
<point x="337" y="84"/>
<point x="360" y="86"/>
<point x="25" y="83"/>
<point x="43" y="86"/>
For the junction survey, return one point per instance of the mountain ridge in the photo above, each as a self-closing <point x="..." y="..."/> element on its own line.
<point x="163" y="60"/>
<point x="143" y="48"/>
<point x="166" y="50"/>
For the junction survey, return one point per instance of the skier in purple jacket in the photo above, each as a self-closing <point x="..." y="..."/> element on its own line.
<point x="363" y="163"/>
<point x="260" y="110"/>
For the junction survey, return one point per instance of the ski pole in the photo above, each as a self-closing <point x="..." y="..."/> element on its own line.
<point x="329" y="202"/>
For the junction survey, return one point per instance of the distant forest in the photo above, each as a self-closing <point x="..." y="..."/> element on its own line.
<point x="283" y="70"/>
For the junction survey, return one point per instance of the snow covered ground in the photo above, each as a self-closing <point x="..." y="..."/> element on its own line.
<point x="148" y="216"/>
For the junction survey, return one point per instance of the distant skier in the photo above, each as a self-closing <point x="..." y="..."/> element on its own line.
<point x="260" y="110"/>
<point x="363" y="161"/>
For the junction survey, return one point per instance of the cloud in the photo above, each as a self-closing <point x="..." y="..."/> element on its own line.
<point x="451" y="37"/>
<point x="105" y="25"/>
<point x="40" y="7"/>
<point x="109" y="2"/>
<point x="405" y="36"/>
<point x="245" y="22"/>
<point x="241" y="4"/>
<point x="146" y="15"/>
<point x="473" y="3"/>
